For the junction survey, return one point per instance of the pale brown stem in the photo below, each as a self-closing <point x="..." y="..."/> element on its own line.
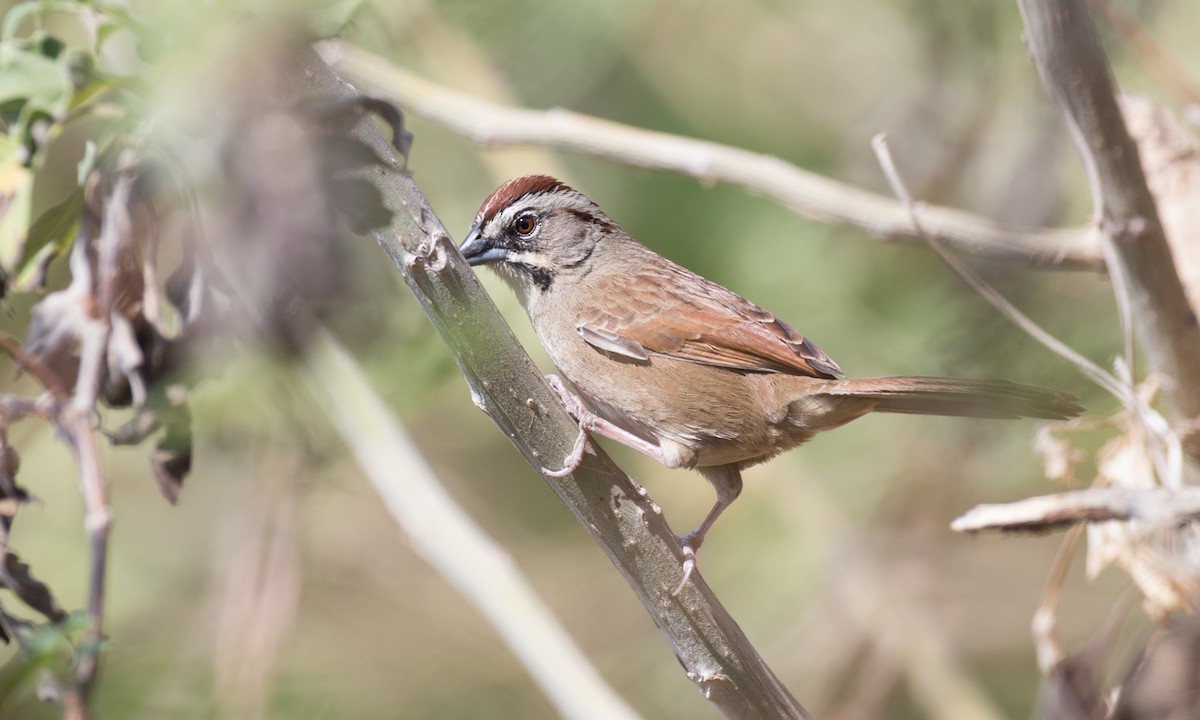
<point x="1093" y="371"/>
<point x="808" y="194"/>
<point x="77" y="422"/>
<point x="1063" y="44"/>
<point x="1162" y="507"/>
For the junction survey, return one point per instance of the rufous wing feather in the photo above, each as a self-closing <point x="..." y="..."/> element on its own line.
<point x="667" y="310"/>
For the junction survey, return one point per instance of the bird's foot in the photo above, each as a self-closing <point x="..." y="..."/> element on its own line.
<point x="587" y="423"/>
<point x="590" y="423"/>
<point x="574" y="458"/>
<point x="690" y="544"/>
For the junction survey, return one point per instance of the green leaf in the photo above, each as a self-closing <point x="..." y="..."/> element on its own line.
<point x="17" y="198"/>
<point x="52" y="232"/>
<point x="43" y="648"/>
<point x="11" y="152"/>
<point x="18" y="13"/>
<point x="99" y="85"/>
<point x="86" y="163"/>
<point x="43" y="84"/>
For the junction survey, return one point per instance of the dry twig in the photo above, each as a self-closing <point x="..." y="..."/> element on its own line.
<point x="805" y="193"/>
<point x="442" y="533"/>
<point x="917" y="215"/>
<point x="1158" y="507"/>
<point x="1063" y="44"/>
<point x="78" y="423"/>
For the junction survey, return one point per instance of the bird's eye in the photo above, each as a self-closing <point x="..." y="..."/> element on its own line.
<point x="525" y="224"/>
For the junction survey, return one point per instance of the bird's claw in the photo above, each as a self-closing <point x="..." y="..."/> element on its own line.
<point x="689" y="564"/>
<point x="584" y="416"/>
<point x="574" y="458"/>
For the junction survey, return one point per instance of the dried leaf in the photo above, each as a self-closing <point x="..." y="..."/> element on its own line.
<point x="15" y="576"/>
<point x="171" y="467"/>
<point x="144" y="424"/>
<point x="125" y="360"/>
<point x="1165" y="587"/>
<point x="172" y="458"/>
<point x="1059" y="457"/>
<point x="342" y="154"/>
<point x="59" y="318"/>
<point x="1124" y="461"/>
<point x="1154" y="552"/>
<point x="336" y="116"/>
<point x="187" y="290"/>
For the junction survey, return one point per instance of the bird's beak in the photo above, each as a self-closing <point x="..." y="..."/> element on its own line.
<point x="479" y="250"/>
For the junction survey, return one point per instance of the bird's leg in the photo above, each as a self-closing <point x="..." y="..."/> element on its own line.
<point x="590" y="423"/>
<point x="727" y="481"/>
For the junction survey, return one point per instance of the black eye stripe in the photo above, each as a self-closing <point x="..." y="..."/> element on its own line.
<point x="587" y="217"/>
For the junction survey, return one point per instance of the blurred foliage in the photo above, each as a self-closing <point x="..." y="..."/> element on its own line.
<point x="837" y="560"/>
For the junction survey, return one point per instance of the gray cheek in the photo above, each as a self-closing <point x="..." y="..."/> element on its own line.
<point x="579" y="251"/>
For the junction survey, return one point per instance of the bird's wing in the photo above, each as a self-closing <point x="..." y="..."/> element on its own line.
<point x="673" y="312"/>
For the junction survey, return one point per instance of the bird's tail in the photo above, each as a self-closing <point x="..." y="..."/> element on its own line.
<point x="960" y="397"/>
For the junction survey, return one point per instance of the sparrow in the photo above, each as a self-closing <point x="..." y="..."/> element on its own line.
<point x="680" y="368"/>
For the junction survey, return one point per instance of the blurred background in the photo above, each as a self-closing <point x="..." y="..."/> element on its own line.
<point x="278" y="586"/>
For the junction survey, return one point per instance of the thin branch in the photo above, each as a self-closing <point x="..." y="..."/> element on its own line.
<point x="627" y="525"/>
<point x="33" y="366"/>
<point x="442" y="533"/>
<point x="1158" y="507"/>
<point x="1094" y="372"/>
<point x="1164" y="441"/>
<point x="808" y="194"/>
<point x="1044" y="628"/>
<point x="1063" y="44"/>
<point x="78" y="424"/>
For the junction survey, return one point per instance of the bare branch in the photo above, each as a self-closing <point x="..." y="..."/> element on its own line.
<point x="1062" y="41"/>
<point x="503" y="381"/>
<point x="1090" y="369"/>
<point x="77" y="422"/>
<point x="808" y="194"/>
<point x="1044" y="627"/>
<point x="1160" y="507"/>
<point x="441" y="532"/>
<point x="33" y="366"/>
